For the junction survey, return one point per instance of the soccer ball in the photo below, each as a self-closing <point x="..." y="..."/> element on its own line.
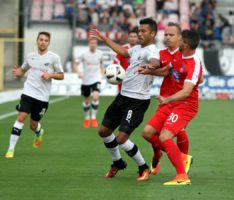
<point x="114" y="74"/>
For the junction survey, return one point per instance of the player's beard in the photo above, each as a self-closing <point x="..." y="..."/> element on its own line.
<point x="42" y="48"/>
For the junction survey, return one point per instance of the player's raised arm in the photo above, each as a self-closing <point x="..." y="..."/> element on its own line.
<point x="114" y="46"/>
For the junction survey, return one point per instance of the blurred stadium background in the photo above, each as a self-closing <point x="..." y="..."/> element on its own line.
<point x="69" y="22"/>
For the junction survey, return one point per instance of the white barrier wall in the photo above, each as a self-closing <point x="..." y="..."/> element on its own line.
<point x="213" y="87"/>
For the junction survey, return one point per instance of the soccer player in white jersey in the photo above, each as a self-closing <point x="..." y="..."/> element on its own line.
<point x="92" y="61"/>
<point x="42" y="67"/>
<point x="128" y="108"/>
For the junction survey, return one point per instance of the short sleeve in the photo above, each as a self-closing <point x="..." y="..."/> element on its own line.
<point x="153" y="52"/>
<point x="194" y="71"/>
<point x="57" y="64"/>
<point x="25" y="65"/>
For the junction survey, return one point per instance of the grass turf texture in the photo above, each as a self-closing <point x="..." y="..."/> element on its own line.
<point x="72" y="160"/>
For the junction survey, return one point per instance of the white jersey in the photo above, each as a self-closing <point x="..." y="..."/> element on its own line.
<point x="36" y="65"/>
<point x="136" y="85"/>
<point x="91" y="66"/>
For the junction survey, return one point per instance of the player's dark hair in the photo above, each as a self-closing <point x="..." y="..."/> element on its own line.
<point x="134" y="30"/>
<point x="43" y="33"/>
<point x="192" y="38"/>
<point x="152" y="23"/>
<point x="175" y="25"/>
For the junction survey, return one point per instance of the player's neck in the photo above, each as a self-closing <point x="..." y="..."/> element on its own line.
<point x="173" y="49"/>
<point x="42" y="52"/>
<point x="188" y="53"/>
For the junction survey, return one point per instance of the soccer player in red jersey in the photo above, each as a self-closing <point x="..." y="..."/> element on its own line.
<point x="124" y="61"/>
<point x="181" y="105"/>
<point x="168" y="56"/>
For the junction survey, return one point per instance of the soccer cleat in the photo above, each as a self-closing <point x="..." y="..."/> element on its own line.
<point x="155" y="165"/>
<point x="9" y="153"/>
<point x="86" y="123"/>
<point x="143" y="173"/>
<point x="115" y="167"/>
<point x="37" y="142"/>
<point x="94" y="123"/>
<point x="187" y="161"/>
<point x="180" y="179"/>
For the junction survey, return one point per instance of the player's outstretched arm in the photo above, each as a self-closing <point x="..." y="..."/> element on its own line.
<point x="114" y="46"/>
<point x="162" y="71"/>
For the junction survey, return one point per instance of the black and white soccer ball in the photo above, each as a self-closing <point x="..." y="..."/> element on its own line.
<point x="114" y="74"/>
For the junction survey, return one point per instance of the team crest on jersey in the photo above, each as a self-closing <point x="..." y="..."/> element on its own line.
<point x="175" y="75"/>
<point x="139" y="58"/>
<point x="47" y="64"/>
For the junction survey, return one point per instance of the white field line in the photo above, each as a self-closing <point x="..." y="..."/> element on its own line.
<point x="15" y="112"/>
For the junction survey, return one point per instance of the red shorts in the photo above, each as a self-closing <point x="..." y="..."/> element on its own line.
<point x="172" y="117"/>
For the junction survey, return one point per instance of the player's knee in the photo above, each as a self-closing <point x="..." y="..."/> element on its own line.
<point x="147" y="133"/>
<point x="165" y="135"/>
<point x="122" y="138"/>
<point x="104" y="132"/>
<point x="21" y="117"/>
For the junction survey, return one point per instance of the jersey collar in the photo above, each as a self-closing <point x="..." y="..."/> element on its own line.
<point x="172" y="52"/>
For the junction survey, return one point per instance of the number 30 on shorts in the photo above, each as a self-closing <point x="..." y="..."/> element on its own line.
<point x="173" y="117"/>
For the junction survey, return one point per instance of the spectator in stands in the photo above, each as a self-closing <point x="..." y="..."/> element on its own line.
<point x="208" y="28"/>
<point x="170" y="6"/>
<point x="104" y="25"/>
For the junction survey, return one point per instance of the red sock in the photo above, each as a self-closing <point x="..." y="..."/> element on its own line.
<point x="156" y="145"/>
<point x="183" y="142"/>
<point x="154" y="140"/>
<point x="174" y="155"/>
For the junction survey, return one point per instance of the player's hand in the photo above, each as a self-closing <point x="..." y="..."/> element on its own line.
<point x="95" y="33"/>
<point x="80" y="76"/>
<point x="16" y="71"/>
<point x="46" y="76"/>
<point x="162" y="100"/>
<point x="142" y="70"/>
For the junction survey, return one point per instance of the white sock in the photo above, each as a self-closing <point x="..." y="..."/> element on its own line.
<point x="115" y="153"/>
<point x="128" y="146"/>
<point x="94" y="110"/>
<point x="86" y="108"/>
<point x="13" y="141"/>
<point x="14" y="138"/>
<point x="37" y="130"/>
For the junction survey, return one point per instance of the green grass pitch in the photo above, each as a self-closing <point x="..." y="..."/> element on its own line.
<point x="72" y="161"/>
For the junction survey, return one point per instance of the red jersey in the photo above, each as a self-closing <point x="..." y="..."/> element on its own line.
<point x="168" y="57"/>
<point x="123" y="61"/>
<point x="190" y="70"/>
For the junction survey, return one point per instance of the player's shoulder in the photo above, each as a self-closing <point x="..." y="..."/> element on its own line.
<point x="98" y="51"/>
<point x="163" y="51"/>
<point x="136" y="47"/>
<point x="52" y="54"/>
<point x="30" y="54"/>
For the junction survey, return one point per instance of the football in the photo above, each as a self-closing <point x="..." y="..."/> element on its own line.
<point x="114" y="74"/>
